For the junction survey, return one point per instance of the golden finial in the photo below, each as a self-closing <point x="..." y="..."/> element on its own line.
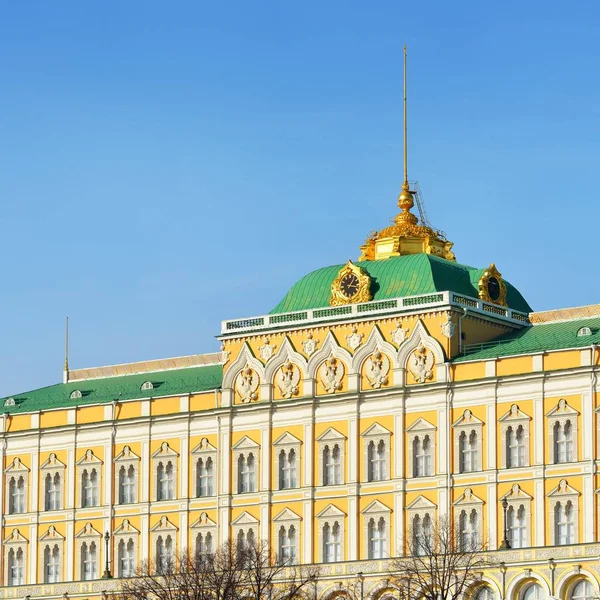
<point x="66" y="374"/>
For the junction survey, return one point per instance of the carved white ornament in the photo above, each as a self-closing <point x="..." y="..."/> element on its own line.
<point x="247" y="384"/>
<point x="332" y="373"/>
<point x="267" y="351"/>
<point x="420" y="364"/>
<point x="448" y="328"/>
<point x="310" y="345"/>
<point x="399" y="335"/>
<point x="354" y="339"/>
<point x="224" y="354"/>
<point x="377" y="369"/>
<point x="288" y="377"/>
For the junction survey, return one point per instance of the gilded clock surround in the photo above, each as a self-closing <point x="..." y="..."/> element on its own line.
<point x="363" y="291"/>
<point x="484" y="286"/>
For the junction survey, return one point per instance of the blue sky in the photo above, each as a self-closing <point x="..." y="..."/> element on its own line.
<point x="168" y="165"/>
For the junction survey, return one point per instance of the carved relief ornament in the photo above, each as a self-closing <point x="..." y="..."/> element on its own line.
<point x="377" y="368"/>
<point x="288" y="377"/>
<point x="246" y="384"/>
<point x="331" y="374"/>
<point x="421" y="363"/>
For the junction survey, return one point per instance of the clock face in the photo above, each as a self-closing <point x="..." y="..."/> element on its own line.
<point x="493" y="286"/>
<point x="349" y="285"/>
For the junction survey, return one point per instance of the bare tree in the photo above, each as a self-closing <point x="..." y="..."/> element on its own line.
<point x="230" y="573"/>
<point x="442" y="562"/>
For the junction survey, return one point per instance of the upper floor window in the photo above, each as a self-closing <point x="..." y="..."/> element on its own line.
<point x="165" y="477"/>
<point x="564" y="523"/>
<point x="287" y="469"/>
<point x="126" y="557"/>
<point x="53" y="491"/>
<point x="16" y="494"/>
<point x="245" y="539"/>
<point x="515" y="446"/>
<point x="516" y="523"/>
<point x="246" y="473"/>
<point x="562" y="427"/>
<point x="534" y="591"/>
<point x="164" y="553"/>
<point x="421" y="535"/>
<point x="287" y="545"/>
<point x="89" y="487"/>
<point x="332" y="467"/>
<point x="563" y="442"/>
<point x="16" y="566"/>
<point x="204" y="474"/>
<point x="204" y="544"/>
<point x="89" y="561"/>
<point x="126" y="476"/>
<point x="332" y="542"/>
<point x="469" y="529"/>
<point x="515" y="438"/>
<point x="422" y="458"/>
<point x="377" y="453"/>
<point x="52" y="564"/>
<point x="469" y="450"/>
<point x="377" y="532"/>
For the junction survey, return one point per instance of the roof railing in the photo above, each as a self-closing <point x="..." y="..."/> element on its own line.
<point x="304" y="318"/>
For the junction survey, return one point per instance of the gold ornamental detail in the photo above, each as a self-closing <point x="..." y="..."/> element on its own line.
<point x="351" y="285"/>
<point x="492" y="287"/>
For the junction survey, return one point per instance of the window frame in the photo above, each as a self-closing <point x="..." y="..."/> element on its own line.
<point x="287" y="442"/>
<point x="204" y="526"/>
<point x="376" y="434"/>
<point x="53" y="467"/>
<point x="88" y="463"/>
<point x="126" y="458"/>
<point x="376" y="511"/>
<point x="246" y="446"/>
<point x="15" y="542"/>
<point x="287" y="518"/>
<point x="421" y="428"/>
<point x="50" y="539"/>
<point x="125" y="533"/>
<point x="514" y="418"/>
<point x="331" y="515"/>
<point x="330" y="438"/>
<point x="563" y="493"/>
<point x="560" y="415"/>
<point x="467" y="424"/>
<point x="16" y="470"/>
<point x="204" y="451"/>
<point x="165" y="455"/>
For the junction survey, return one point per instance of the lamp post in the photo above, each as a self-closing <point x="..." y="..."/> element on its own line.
<point x="361" y="579"/>
<point x="107" y="574"/>
<point x="505" y="545"/>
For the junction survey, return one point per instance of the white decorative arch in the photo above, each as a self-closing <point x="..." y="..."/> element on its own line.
<point x="485" y="581"/>
<point x="245" y="357"/>
<point x="376" y="341"/>
<point x="521" y="579"/>
<point x="420" y="337"/>
<point x="330" y="347"/>
<point x="379" y="589"/>
<point x="571" y="577"/>
<point x="286" y="352"/>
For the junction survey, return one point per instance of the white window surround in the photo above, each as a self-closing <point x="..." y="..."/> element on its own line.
<point x="467" y="424"/>
<point x="15" y="541"/>
<point x="376" y="434"/>
<point x="468" y="503"/>
<point x="164" y="528"/>
<point x="246" y="446"/>
<point x="126" y="458"/>
<point x="287" y="442"/>
<point x="50" y="539"/>
<point x="563" y="493"/>
<point x="88" y="535"/>
<point x="517" y="498"/>
<point x="287" y="518"/>
<point x="514" y="418"/>
<point x="420" y="428"/>
<point x="125" y="533"/>
<point x="17" y="470"/>
<point x="330" y="438"/>
<point x="204" y="451"/>
<point x="89" y="461"/>
<point x="421" y="507"/>
<point x="245" y="523"/>
<point x="561" y="414"/>
<point x="52" y="466"/>
<point x="204" y="526"/>
<point x="165" y="455"/>
<point x="377" y="510"/>
<point x="331" y="515"/>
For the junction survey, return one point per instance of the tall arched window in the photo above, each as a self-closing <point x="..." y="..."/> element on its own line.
<point x="52" y="560"/>
<point x="515" y="446"/>
<point x="421" y="535"/>
<point x="583" y="590"/>
<point x="89" y="488"/>
<point x="564" y="523"/>
<point x="16" y="495"/>
<point x="377" y="460"/>
<point x="422" y="460"/>
<point x="165" y="481"/>
<point x="53" y="491"/>
<point x="377" y="532"/>
<point x="204" y="470"/>
<point x="204" y="544"/>
<point x="469" y="527"/>
<point x="332" y="465"/>
<point x="246" y="473"/>
<point x="563" y="442"/>
<point x="126" y="551"/>
<point x="533" y="591"/>
<point x="16" y="567"/>
<point x="287" y="469"/>
<point x="468" y="449"/>
<point x="89" y="561"/>
<point x="164" y="553"/>
<point x="287" y="545"/>
<point x="127" y="485"/>
<point x="332" y="548"/>
<point x="516" y="523"/>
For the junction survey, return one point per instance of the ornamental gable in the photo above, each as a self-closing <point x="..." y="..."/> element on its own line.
<point x="15" y="537"/>
<point x="514" y="414"/>
<point x="16" y="466"/>
<point x="245" y="443"/>
<point x="287" y="515"/>
<point x="125" y="528"/>
<point x="562" y="409"/>
<point x="52" y="463"/>
<point x="516" y="493"/>
<point x="88" y="531"/>
<point x="331" y="511"/>
<point x="421" y="424"/>
<point x="563" y="489"/>
<point x="203" y="521"/>
<point x="89" y="458"/>
<point x="287" y="439"/>
<point x="467" y="419"/>
<point x="126" y="454"/>
<point x="331" y="435"/>
<point x="204" y="446"/>
<point x="51" y="534"/>
<point x="164" y="450"/>
<point x="376" y="430"/>
<point x="468" y="497"/>
<point x="245" y="519"/>
<point x="421" y="503"/>
<point x="376" y="507"/>
<point x="164" y="525"/>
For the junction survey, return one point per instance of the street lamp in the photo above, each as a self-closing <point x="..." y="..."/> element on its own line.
<point x="361" y="579"/>
<point x="505" y="545"/>
<point x="107" y="574"/>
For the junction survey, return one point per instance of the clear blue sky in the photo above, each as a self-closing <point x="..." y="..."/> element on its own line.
<point x="167" y="165"/>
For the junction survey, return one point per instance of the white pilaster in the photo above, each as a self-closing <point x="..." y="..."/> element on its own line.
<point x="308" y="532"/>
<point x="540" y="512"/>
<point x="353" y="533"/>
<point x="493" y="522"/>
<point x="145" y="470"/>
<point x="70" y="550"/>
<point x="491" y="431"/>
<point x="538" y="430"/>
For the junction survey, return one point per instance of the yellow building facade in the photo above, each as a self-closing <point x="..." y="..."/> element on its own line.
<point x="374" y="399"/>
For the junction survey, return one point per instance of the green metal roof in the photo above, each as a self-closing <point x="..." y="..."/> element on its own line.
<point x="538" y="338"/>
<point x="125" y="387"/>
<point x="396" y="277"/>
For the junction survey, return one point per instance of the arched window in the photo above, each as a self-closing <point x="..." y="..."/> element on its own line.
<point x="515" y="446"/>
<point x="164" y="554"/>
<point x="377" y="532"/>
<point x="422" y="456"/>
<point x="204" y="544"/>
<point x="485" y="593"/>
<point x="52" y="564"/>
<point x="16" y="495"/>
<point x="16" y="567"/>
<point x="204" y="471"/>
<point x="331" y="465"/>
<point x="468" y="449"/>
<point x="533" y="591"/>
<point x="377" y="460"/>
<point x="89" y="561"/>
<point x="287" y="545"/>
<point x="516" y="523"/>
<point x="332" y="543"/>
<point x="469" y="527"/>
<point x="127" y="485"/>
<point x="564" y="523"/>
<point x="246" y="473"/>
<point x="53" y="491"/>
<point x="287" y="469"/>
<point x="165" y="481"/>
<point x="563" y="442"/>
<point x="583" y="590"/>
<point x="421" y="535"/>
<point x="126" y="551"/>
<point x="89" y="488"/>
